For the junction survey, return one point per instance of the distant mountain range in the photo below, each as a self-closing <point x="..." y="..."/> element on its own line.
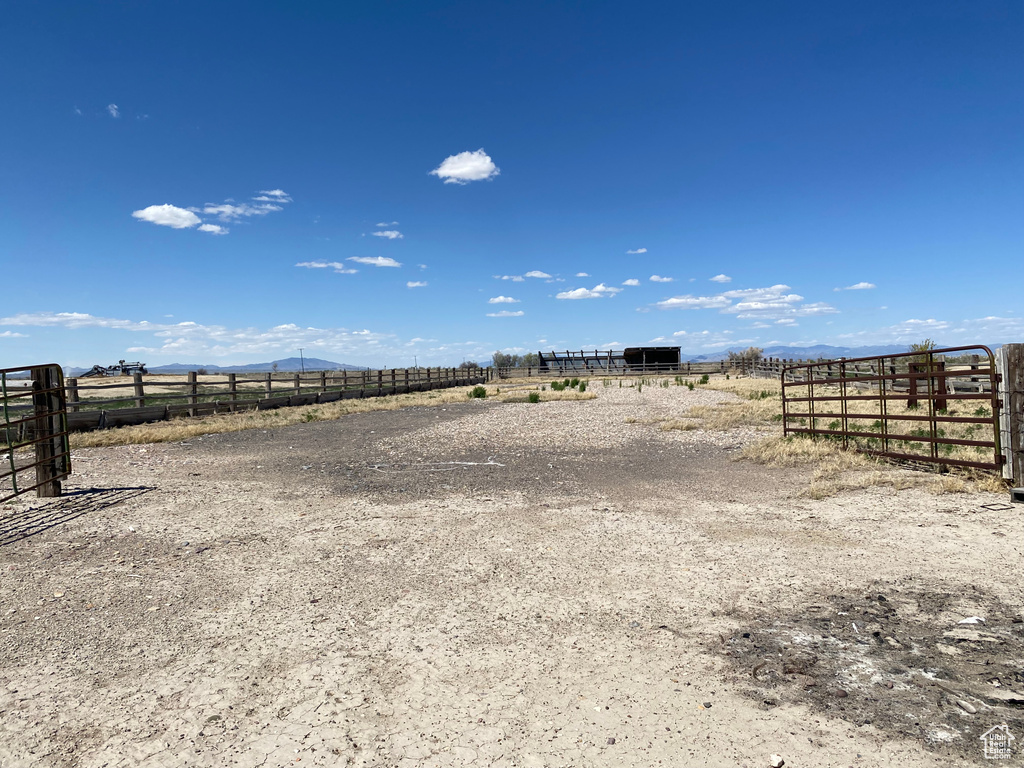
<point x="288" y="364"/>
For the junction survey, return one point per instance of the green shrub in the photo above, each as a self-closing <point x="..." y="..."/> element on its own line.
<point x="705" y="379"/>
<point x="533" y="397"/>
<point x="565" y="383"/>
<point x="583" y="386"/>
<point x="480" y="392"/>
<point x="574" y="383"/>
<point x="557" y="386"/>
<point x="691" y="385"/>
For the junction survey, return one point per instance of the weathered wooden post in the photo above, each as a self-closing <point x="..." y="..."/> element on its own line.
<point x="72" y="389"/>
<point x="1011" y="416"/>
<point x="323" y="381"/>
<point x="297" y="383"/>
<point x="268" y="385"/>
<point x="380" y="381"/>
<point x="140" y="392"/>
<point x="46" y="404"/>
<point x="193" y="393"/>
<point x="232" y="390"/>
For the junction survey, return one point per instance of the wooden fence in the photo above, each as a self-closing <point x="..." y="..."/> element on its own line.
<point x="115" y="402"/>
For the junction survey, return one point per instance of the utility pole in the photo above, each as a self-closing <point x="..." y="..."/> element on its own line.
<point x="415" y="362"/>
<point x="302" y="361"/>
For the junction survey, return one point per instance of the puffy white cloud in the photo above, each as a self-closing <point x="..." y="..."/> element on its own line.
<point x="631" y="281"/>
<point x="375" y="261"/>
<point x="693" y="302"/>
<point x="466" y="167"/>
<point x="337" y="266"/>
<point x="506" y="313"/>
<point x="503" y="300"/>
<point x="513" y="278"/>
<point x="638" y="250"/>
<point x="787" y="321"/>
<point x="185" y="218"/>
<point x="857" y="287"/>
<point x="598" y="291"/>
<point x="385" y="224"/>
<point x="168" y="216"/>
<point x="113" y="110"/>
<point x="721" y="279"/>
<point x="660" y="279"/>
<point x="537" y="273"/>
<point x="390" y="234"/>
<point x="13" y="335"/>
<point x="416" y="284"/>
<point x="171" y="340"/>
<point x="582" y="274"/>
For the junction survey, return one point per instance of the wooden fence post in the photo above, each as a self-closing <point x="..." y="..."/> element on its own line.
<point x="268" y="385"/>
<point x="140" y="392"/>
<point x="323" y="381"/>
<point x="72" y="388"/>
<point x="232" y="390"/>
<point x="45" y="402"/>
<point x="1011" y="415"/>
<point x="193" y="392"/>
<point x="297" y="384"/>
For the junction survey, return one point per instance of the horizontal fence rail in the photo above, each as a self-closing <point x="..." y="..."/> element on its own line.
<point x="581" y="368"/>
<point x="939" y="407"/>
<point x="99" y="403"/>
<point x="34" y="450"/>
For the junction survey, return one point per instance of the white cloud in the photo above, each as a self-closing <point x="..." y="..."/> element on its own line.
<point x="169" y="340"/>
<point x="857" y="287"/>
<point x="582" y="274"/>
<point x="375" y="261"/>
<point x="337" y="266"/>
<point x="466" y="167"/>
<point x="513" y="278"/>
<point x="660" y="279"/>
<point x="787" y="321"/>
<point x="113" y="110"/>
<point x="13" y="335"/>
<point x="167" y="216"/>
<point x="721" y="279"/>
<point x="185" y="218"/>
<point x="631" y="281"/>
<point x="537" y="273"/>
<point x="598" y="291"/>
<point x="416" y="284"/>
<point x="390" y="234"/>
<point x="503" y="300"/>
<point x="385" y="224"/>
<point x="229" y="212"/>
<point x="693" y="302"/>
<point x="274" y="195"/>
<point x="506" y="313"/>
<point x="638" y="250"/>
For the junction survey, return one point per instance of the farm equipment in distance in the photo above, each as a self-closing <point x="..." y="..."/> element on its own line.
<point x="121" y="369"/>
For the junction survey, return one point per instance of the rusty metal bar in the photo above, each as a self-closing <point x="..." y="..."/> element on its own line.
<point x="904" y="379"/>
<point x="45" y="431"/>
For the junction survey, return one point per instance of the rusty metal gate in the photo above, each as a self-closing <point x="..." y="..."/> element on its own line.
<point x="34" y="451"/>
<point x="939" y="407"/>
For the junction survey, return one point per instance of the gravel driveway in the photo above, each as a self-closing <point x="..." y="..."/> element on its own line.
<point x="484" y="584"/>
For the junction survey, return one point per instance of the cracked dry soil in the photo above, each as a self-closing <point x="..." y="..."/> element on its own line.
<point x="498" y="585"/>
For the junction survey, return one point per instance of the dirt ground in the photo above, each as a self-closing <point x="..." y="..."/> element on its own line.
<point x="484" y="584"/>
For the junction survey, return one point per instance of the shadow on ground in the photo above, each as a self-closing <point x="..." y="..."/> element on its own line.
<point x="28" y="522"/>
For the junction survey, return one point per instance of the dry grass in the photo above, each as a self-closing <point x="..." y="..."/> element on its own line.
<point x="759" y="405"/>
<point x="184" y="428"/>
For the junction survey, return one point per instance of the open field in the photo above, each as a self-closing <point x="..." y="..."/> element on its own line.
<point x="486" y="583"/>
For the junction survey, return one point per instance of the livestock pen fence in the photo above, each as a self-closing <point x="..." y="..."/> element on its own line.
<point x="953" y="407"/>
<point x="148" y="397"/>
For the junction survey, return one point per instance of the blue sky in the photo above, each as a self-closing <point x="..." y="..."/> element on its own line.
<point x="228" y="182"/>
